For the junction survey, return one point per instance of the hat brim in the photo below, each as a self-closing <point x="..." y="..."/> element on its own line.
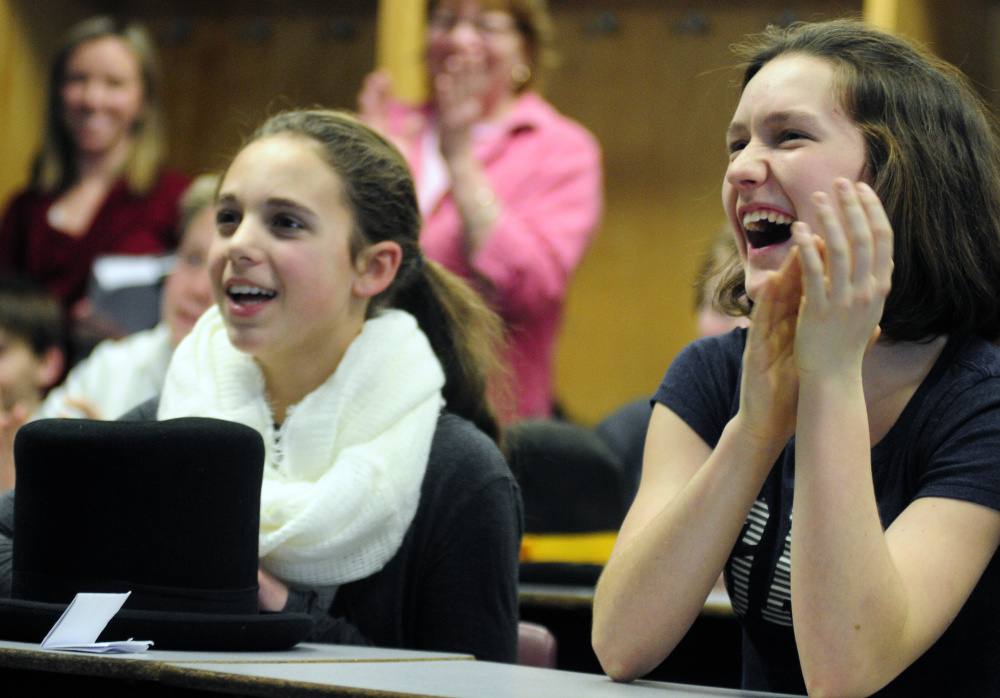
<point x="30" y="621"/>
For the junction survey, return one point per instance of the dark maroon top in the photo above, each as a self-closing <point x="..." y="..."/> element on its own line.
<point x="124" y="224"/>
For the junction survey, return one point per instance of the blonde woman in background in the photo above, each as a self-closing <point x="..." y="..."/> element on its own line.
<point x="100" y="185"/>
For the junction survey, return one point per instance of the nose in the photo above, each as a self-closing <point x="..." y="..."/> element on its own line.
<point x="93" y="93"/>
<point x="464" y="33"/>
<point x="748" y="167"/>
<point x="243" y="246"/>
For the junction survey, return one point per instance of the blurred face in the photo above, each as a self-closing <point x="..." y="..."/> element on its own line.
<point x="712" y="322"/>
<point x="789" y="137"/>
<point x="465" y="29"/>
<point x="22" y="372"/>
<point x="187" y="292"/>
<point x="280" y="263"/>
<point x="102" y="95"/>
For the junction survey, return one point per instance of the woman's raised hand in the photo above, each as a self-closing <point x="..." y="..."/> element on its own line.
<point x="458" y="93"/>
<point x="844" y="287"/>
<point x="769" y="387"/>
<point x="374" y="108"/>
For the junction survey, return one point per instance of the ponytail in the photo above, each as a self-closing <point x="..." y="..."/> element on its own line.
<point x="466" y="335"/>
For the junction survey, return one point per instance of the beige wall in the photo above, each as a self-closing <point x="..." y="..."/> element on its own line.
<point x="657" y="98"/>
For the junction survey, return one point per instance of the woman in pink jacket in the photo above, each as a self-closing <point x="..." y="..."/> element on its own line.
<point x="510" y="189"/>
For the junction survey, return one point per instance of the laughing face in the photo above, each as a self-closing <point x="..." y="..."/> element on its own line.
<point x="281" y="265"/>
<point x="102" y="96"/>
<point x="476" y="30"/>
<point x="790" y="137"/>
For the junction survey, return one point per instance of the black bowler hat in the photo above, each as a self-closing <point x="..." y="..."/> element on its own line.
<point x="167" y="510"/>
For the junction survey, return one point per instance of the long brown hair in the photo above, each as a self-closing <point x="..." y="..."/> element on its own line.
<point x="56" y="167"/>
<point x="465" y="334"/>
<point x="933" y="158"/>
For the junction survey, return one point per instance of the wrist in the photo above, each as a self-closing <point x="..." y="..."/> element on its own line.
<point x="486" y="209"/>
<point x="760" y="443"/>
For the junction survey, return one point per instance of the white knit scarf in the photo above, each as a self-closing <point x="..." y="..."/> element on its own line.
<point x="342" y="475"/>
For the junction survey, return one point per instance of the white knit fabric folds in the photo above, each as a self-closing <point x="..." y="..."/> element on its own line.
<point x="342" y="475"/>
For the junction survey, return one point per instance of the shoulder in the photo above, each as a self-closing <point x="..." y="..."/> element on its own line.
<point x="461" y="450"/>
<point x="133" y="347"/>
<point x="702" y="384"/>
<point x="465" y="467"/>
<point x="977" y="356"/>
<point x="533" y="113"/>
<point x="718" y="355"/>
<point x="25" y="201"/>
<point x="970" y="376"/>
<point x="166" y="191"/>
<point x="172" y="181"/>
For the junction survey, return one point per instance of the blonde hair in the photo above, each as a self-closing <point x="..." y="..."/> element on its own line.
<point x="56" y="166"/>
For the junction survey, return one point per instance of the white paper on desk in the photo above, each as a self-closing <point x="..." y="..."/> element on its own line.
<point x="82" y="622"/>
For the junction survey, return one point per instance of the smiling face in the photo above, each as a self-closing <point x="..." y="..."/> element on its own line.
<point x="187" y="292"/>
<point x="280" y="263"/>
<point x="790" y="137"/>
<point x="466" y="29"/>
<point x="102" y="96"/>
<point x="23" y="373"/>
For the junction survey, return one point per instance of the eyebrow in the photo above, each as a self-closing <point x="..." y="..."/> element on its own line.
<point x="274" y="201"/>
<point x="775" y="119"/>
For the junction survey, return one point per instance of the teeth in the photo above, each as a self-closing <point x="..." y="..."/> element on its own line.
<point x="250" y="291"/>
<point x="770" y="216"/>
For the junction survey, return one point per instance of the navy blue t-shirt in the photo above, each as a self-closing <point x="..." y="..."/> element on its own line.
<point x="946" y="443"/>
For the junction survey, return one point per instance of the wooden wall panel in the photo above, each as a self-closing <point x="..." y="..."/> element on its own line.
<point x="233" y="63"/>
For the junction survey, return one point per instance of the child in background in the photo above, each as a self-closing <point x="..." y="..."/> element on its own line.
<point x="32" y="358"/>
<point x="121" y="374"/>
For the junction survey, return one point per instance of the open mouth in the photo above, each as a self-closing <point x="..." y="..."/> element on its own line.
<point x="249" y="295"/>
<point x="766" y="228"/>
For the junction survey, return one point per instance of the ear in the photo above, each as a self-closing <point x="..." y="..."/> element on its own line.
<point x="50" y="367"/>
<point x="376" y="267"/>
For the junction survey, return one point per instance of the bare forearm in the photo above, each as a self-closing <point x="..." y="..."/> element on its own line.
<point x="848" y="601"/>
<point x="655" y="584"/>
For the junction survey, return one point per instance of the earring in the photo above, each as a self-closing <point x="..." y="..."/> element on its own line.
<point x="521" y="73"/>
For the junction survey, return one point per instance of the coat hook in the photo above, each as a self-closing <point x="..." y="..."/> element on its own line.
<point x="604" y="24"/>
<point x="340" y="29"/>
<point x="257" y="31"/>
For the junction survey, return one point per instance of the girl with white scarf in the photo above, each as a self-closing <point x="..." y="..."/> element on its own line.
<point x="341" y="345"/>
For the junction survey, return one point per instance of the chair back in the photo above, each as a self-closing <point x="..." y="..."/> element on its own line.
<point x="536" y="646"/>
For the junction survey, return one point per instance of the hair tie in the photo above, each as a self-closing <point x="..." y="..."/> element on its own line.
<point x="418" y="261"/>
